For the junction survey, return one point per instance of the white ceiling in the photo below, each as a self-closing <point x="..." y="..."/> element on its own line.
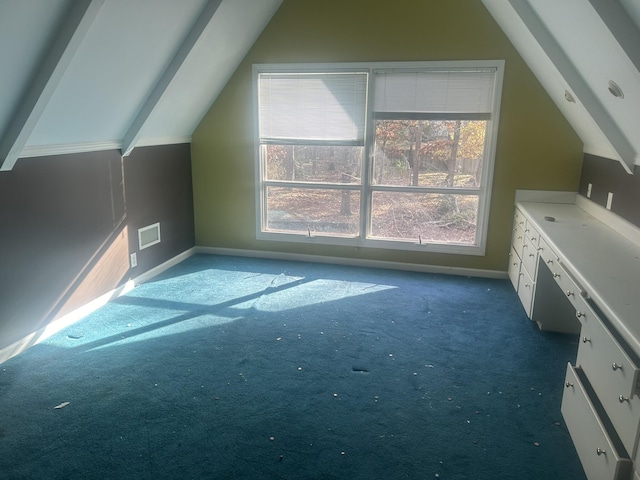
<point x="577" y="47"/>
<point x="81" y="75"/>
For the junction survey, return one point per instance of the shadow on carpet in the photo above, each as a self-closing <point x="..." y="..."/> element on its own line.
<point x="237" y="368"/>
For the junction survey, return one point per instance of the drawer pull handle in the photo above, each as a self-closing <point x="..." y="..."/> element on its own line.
<point x="615" y="366"/>
<point x="556" y="275"/>
<point x="540" y="249"/>
<point x="585" y="339"/>
<point x="532" y="254"/>
<point x="568" y="384"/>
<point x="600" y="451"/>
<point x="622" y="399"/>
<point x="569" y="293"/>
<point x="580" y="314"/>
<point x="549" y="261"/>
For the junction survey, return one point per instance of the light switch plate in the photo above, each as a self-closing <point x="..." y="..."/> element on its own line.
<point x="609" y="200"/>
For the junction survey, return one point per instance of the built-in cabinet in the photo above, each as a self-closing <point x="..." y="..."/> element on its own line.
<point x="575" y="267"/>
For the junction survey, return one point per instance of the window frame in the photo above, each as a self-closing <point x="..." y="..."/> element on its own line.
<point x="365" y="187"/>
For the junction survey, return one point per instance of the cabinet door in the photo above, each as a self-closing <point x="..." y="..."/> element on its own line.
<point x="613" y="375"/>
<point x="600" y="457"/>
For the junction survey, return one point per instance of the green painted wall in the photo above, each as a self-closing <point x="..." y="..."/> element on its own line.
<point x="537" y="149"/>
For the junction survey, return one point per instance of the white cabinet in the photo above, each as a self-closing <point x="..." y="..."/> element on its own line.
<point x="598" y="452"/>
<point x="567" y="284"/>
<point x="523" y="259"/>
<point x="528" y="248"/>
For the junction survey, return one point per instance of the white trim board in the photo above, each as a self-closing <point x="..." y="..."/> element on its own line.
<point x="354" y="262"/>
<point x="71" y="148"/>
<point x="72" y="317"/>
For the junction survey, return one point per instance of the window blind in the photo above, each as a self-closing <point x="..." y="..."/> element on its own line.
<point x="311" y="108"/>
<point x="443" y="92"/>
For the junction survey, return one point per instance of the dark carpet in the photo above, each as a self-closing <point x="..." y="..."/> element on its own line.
<point x="238" y="368"/>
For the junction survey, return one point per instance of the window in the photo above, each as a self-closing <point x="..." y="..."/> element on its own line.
<point x="383" y="155"/>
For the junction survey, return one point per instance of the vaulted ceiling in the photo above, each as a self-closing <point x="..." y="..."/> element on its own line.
<point x="82" y="75"/>
<point x="586" y="54"/>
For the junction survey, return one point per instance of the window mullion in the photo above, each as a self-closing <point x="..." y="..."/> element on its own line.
<point x="367" y="168"/>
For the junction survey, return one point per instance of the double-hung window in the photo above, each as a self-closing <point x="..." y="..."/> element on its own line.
<point x="393" y="155"/>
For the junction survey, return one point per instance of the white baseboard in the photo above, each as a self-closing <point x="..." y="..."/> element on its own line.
<point x="355" y="262"/>
<point x="78" y="314"/>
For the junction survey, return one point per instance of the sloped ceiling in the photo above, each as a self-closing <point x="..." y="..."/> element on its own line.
<point x="82" y="75"/>
<point x="576" y="48"/>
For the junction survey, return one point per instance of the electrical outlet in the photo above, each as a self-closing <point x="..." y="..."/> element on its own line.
<point x="589" y="190"/>
<point x="134" y="260"/>
<point x="609" y="200"/>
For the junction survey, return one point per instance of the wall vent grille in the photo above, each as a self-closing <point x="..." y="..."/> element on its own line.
<point x="148" y="236"/>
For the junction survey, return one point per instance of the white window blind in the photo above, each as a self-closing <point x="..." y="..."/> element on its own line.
<point x="446" y="92"/>
<point x="310" y="108"/>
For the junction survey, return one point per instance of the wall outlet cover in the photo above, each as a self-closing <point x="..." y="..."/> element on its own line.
<point x="609" y="200"/>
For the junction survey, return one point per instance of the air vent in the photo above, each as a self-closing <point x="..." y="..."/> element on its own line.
<point x="148" y="236"/>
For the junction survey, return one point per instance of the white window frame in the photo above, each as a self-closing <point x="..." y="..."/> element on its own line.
<point x="365" y="188"/>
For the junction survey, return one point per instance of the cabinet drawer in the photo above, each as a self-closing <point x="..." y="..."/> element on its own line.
<point x="519" y="219"/>
<point x="562" y="277"/>
<point x="600" y="347"/>
<point x="514" y="268"/>
<point x="613" y="376"/>
<point x="530" y="256"/>
<point x="600" y="458"/>
<point x="532" y="234"/>
<point x="525" y="291"/>
<point x="517" y="240"/>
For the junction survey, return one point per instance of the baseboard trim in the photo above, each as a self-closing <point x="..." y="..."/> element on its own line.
<point x="78" y="314"/>
<point x="355" y="262"/>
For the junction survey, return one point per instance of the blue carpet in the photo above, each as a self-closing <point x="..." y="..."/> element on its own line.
<point x="237" y="368"/>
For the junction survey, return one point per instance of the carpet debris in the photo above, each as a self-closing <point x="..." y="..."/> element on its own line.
<point x="62" y="405"/>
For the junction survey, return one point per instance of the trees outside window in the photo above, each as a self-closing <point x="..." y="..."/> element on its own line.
<point x="385" y="155"/>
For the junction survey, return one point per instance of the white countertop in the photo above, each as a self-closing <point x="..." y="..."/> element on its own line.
<point x="603" y="261"/>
